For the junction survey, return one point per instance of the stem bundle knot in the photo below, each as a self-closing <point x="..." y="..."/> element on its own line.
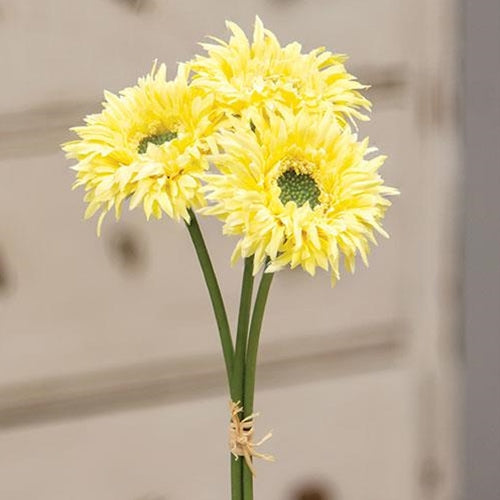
<point x="241" y="437"/>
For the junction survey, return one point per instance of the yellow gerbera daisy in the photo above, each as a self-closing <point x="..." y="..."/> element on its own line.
<point x="264" y="74"/>
<point x="298" y="190"/>
<point x="147" y="145"/>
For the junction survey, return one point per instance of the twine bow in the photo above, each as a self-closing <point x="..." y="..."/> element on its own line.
<point x="241" y="437"/>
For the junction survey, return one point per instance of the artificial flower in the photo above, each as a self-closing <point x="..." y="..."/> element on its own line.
<point x="298" y="190"/>
<point x="147" y="146"/>
<point x="260" y="73"/>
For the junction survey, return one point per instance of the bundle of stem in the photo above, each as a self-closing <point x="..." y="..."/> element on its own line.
<point x="241" y="360"/>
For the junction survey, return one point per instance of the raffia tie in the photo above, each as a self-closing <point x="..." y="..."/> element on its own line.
<point x="241" y="437"/>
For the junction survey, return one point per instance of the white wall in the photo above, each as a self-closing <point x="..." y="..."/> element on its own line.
<point x="111" y="378"/>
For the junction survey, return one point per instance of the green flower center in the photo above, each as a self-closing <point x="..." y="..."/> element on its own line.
<point x="157" y="139"/>
<point x="300" y="188"/>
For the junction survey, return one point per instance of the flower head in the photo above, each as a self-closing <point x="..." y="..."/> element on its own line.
<point x="298" y="190"/>
<point x="261" y="73"/>
<point x="147" y="145"/>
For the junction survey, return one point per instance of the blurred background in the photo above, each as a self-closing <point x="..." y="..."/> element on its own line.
<point x="383" y="388"/>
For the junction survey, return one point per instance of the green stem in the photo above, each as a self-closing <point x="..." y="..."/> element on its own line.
<point x="239" y="366"/>
<point x="242" y="333"/>
<point x="215" y="294"/>
<point x="251" y="365"/>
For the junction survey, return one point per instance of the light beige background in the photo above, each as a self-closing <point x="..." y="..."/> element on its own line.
<point x="111" y="383"/>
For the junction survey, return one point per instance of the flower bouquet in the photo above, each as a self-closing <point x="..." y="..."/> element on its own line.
<point x="263" y="138"/>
